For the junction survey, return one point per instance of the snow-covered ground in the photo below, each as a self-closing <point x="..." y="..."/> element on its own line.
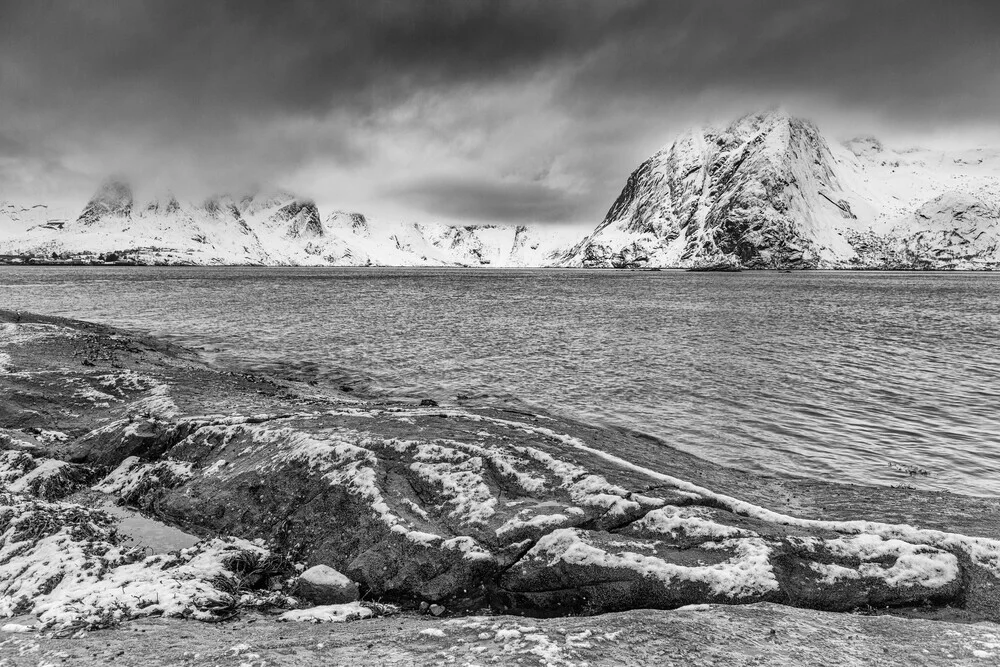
<point x="694" y="635"/>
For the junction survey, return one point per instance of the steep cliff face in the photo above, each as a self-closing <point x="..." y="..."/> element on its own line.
<point x="760" y="193"/>
<point x="769" y="191"/>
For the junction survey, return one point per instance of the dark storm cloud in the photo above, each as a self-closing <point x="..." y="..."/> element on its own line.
<point x="897" y="54"/>
<point x="9" y="147"/>
<point x="325" y="94"/>
<point x="249" y="57"/>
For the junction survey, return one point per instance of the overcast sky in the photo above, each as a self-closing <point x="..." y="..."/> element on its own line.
<point x="460" y="111"/>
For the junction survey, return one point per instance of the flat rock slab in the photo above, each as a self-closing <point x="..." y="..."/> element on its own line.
<point x="468" y="508"/>
<point x="759" y="634"/>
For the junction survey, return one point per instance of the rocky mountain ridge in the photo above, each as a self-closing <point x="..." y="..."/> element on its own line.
<point x="263" y="228"/>
<point x="767" y="191"/>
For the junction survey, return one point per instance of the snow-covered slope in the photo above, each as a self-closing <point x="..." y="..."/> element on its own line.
<point x="163" y="231"/>
<point x="274" y="228"/>
<point x="769" y="191"/>
<point x="356" y="240"/>
<point x="16" y="219"/>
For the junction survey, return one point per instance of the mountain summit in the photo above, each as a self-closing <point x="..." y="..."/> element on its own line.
<point x="262" y="228"/>
<point x="769" y="191"/>
<point x="112" y="200"/>
<point x="766" y="191"/>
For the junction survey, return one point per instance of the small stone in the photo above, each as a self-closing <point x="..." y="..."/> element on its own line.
<point x="321" y="584"/>
<point x="428" y="403"/>
<point x="437" y="609"/>
<point x="424" y="606"/>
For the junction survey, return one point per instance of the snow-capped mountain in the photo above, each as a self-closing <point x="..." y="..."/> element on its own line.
<point x="364" y="242"/>
<point x="251" y="230"/>
<point x="769" y="191"/>
<point x="271" y="228"/>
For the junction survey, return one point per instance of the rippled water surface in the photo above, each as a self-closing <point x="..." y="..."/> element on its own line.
<point x="833" y="375"/>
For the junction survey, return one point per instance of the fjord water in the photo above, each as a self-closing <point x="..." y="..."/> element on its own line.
<point x="842" y="376"/>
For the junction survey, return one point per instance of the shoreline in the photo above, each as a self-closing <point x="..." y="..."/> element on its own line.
<point x="489" y="267"/>
<point x="707" y="635"/>
<point x="467" y="508"/>
<point x="647" y="446"/>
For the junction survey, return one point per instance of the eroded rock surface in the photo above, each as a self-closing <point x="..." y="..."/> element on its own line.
<point x="465" y="507"/>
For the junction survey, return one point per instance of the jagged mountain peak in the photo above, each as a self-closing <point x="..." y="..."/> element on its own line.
<point x="300" y="218"/>
<point x="766" y="190"/>
<point x="252" y="203"/>
<point x="356" y="222"/>
<point x="113" y="198"/>
<point x="757" y="121"/>
<point x="221" y="205"/>
<point x="723" y="196"/>
<point x="769" y="191"/>
<point x="165" y="205"/>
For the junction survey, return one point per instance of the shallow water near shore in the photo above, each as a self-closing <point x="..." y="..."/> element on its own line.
<point x="850" y="377"/>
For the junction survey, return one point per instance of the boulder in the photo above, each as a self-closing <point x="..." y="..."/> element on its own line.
<point x="321" y="585"/>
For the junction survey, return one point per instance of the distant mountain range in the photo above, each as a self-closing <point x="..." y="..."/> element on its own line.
<point x="275" y="228"/>
<point x="768" y="191"/>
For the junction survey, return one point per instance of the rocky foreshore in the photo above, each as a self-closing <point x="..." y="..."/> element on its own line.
<point x="453" y="509"/>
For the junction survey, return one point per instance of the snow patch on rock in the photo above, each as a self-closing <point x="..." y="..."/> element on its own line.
<point x="332" y="613"/>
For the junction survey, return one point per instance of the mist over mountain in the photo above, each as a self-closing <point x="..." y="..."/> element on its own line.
<point x="767" y="191"/>
<point x="260" y="228"/>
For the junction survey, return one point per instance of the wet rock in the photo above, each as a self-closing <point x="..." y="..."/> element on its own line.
<point x="485" y="508"/>
<point x="322" y="585"/>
